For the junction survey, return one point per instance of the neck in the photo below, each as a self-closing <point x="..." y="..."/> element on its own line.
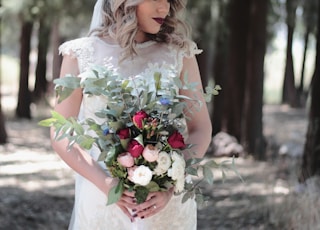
<point x="141" y="37"/>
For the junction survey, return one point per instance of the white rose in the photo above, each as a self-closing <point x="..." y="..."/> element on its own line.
<point x="164" y="163"/>
<point x="142" y="175"/>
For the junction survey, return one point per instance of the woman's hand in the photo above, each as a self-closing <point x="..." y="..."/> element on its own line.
<point x="155" y="202"/>
<point x="126" y="203"/>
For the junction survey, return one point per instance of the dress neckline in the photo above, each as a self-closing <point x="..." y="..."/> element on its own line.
<point x="138" y="45"/>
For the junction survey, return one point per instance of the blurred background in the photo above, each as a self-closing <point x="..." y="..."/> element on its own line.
<point x="264" y="54"/>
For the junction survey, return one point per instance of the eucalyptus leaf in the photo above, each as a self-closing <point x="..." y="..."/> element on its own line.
<point x="85" y="141"/>
<point x="47" y="122"/>
<point x="212" y="164"/>
<point x="208" y="174"/>
<point x="115" y="193"/>
<point x="69" y="81"/>
<point x="110" y="156"/>
<point x="192" y="171"/>
<point x="157" y="78"/>
<point x="102" y="156"/>
<point x="188" y="195"/>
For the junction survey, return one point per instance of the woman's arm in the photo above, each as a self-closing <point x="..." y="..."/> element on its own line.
<point x="199" y="126"/>
<point x="79" y="160"/>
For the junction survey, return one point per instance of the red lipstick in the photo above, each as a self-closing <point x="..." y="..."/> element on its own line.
<point x="159" y="20"/>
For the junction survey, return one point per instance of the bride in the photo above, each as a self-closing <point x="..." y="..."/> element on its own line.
<point x="131" y="37"/>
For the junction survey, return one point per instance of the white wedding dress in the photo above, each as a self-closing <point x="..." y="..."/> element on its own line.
<point x="90" y="210"/>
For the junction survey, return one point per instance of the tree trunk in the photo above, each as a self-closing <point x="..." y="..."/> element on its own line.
<point x="289" y="94"/>
<point x="252" y="136"/>
<point x="3" y="132"/>
<point x="57" y="59"/>
<point x="219" y="73"/>
<point x="41" y="83"/>
<point x="24" y="95"/>
<point x="236" y="69"/>
<point x="311" y="156"/>
<point x="301" y="86"/>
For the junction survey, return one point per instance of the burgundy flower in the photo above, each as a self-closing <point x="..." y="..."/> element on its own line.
<point x="134" y="148"/>
<point x="138" y="119"/>
<point x="176" y="140"/>
<point x="124" y="133"/>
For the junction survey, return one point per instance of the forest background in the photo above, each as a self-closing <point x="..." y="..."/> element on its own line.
<point x="262" y="53"/>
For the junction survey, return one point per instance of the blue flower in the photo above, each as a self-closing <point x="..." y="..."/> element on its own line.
<point x="165" y="101"/>
<point x="106" y="131"/>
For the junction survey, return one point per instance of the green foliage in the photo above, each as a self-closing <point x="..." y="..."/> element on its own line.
<point x="70" y="129"/>
<point x="195" y="165"/>
<point x="115" y="193"/>
<point x="141" y="194"/>
<point x="157" y="96"/>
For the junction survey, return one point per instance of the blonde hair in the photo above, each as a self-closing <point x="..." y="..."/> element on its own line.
<point x="120" y="23"/>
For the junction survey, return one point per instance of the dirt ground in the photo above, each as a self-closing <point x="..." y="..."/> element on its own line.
<point x="36" y="187"/>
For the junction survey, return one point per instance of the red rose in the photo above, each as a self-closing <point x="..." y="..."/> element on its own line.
<point x="138" y="119"/>
<point x="124" y="133"/>
<point x="134" y="148"/>
<point x="176" y="140"/>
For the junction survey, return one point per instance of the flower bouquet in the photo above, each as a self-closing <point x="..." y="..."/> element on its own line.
<point x="139" y="131"/>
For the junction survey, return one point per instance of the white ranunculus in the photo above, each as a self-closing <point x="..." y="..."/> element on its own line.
<point x="179" y="187"/>
<point x="142" y="175"/>
<point x="176" y="157"/>
<point x="177" y="170"/>
<point x="164" y="163"/>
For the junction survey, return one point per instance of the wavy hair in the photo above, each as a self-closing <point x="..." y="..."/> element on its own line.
<point x="120" y="23"/>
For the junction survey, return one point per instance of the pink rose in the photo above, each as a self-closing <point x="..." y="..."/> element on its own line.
<point x="138" y="119"/>
<point x="131" y="172"/>
<point x="134" y="148"/>
<point x="124" y="133"/>
<point x="126" y="160"/>
<point x="176" y="140"/>
<point x="150" y="153"/>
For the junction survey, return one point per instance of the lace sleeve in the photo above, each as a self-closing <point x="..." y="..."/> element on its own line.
<point x="191" y="50"/>
<point x="81" y="49"/>
<point x="188" y="51"/>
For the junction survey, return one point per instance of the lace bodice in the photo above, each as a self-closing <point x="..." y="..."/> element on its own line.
<point x="151" y="55"/>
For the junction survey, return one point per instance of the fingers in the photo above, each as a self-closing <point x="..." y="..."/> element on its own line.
<point x="126" y="203"/>
<point x="151" y="210"/>
<point x="126" y="211"/>
<point x="127" y="200"/>
<point x="155" y="202"/>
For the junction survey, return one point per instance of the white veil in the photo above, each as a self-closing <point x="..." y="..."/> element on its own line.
<point x="96" y="20"/>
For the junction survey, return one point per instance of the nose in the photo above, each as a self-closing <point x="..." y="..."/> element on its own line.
<point x="164" y="6"/>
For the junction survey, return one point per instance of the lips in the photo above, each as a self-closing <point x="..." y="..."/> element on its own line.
<point x="159" y="20"/>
